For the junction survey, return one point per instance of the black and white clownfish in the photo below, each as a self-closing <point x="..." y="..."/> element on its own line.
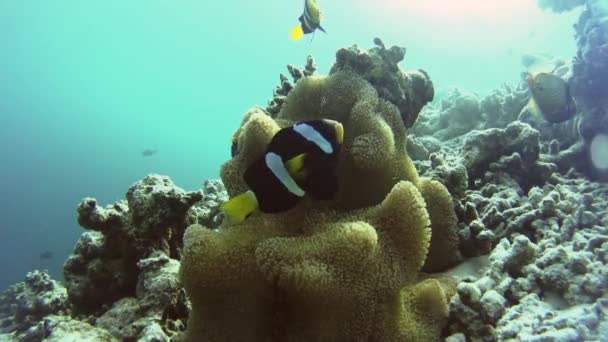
<point x="310" y="20"/>
<point x="300" y="159"/>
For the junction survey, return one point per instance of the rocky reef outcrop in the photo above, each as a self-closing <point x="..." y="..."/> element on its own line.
<point x="546" y="277"/>
<point x="589" y="81"/>
<point x="26" y="303"/>
<point x="121" y="280"/>
<point x="531" y="225"/>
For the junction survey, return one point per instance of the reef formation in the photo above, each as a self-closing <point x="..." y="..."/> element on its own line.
<point x="532" y="227"/>
<point x="467" y="219"/>
<point x="589" y="81"/>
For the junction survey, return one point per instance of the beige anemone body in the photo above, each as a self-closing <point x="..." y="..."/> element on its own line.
<point x="345" y="269"/>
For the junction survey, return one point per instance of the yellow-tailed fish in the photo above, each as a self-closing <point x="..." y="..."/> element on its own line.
<point x="310" y="20"/>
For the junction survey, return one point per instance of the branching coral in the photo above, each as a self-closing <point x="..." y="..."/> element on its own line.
<point x="333" y="270"/>
<point x="280" y="92"/>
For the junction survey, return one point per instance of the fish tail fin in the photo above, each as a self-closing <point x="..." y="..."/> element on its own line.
<point x="238" y="208"/>
<point x="297" y="32"/>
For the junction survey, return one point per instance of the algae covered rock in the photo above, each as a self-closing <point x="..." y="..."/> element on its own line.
<point x="335" y="269"/>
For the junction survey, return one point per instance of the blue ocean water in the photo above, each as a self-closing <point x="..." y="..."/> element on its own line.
<point x="85" y="87"/>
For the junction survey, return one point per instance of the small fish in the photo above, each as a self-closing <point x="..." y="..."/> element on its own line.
<point x="300" y="159"/>
<point x="551" y="97"/>
<point x="148" y="152"/>
<point x="310" y="20"/>
<point x="46" y="255"/>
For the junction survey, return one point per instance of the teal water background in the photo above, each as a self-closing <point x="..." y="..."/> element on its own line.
<point x="85" y="86"/>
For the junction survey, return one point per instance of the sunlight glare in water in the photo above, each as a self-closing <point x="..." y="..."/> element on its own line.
<point x="463" y="25"/>
<point x="599" y="152"/>
<point x="462" y="9"/>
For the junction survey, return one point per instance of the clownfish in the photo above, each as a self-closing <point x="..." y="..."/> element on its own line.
<point x="310" y="20"/>
<point x="300" y="160"/>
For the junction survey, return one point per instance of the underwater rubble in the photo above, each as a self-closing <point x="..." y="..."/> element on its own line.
<point x="466" y="220"/>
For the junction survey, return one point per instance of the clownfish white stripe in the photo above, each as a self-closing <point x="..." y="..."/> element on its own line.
<point x="276" y="166"/>
<point x="312" y="135"/>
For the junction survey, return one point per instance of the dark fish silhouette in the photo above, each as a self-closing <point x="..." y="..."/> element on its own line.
<point x="46" y="255"/>
<point x="300" y="159"/>
<point x="148" y="152"/>
<point x="310" y="20"/>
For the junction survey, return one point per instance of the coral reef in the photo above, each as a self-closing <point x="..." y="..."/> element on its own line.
<point x="475" y="177"/>
<point x="590" y="69"/>
<point x="515" y="149"/>
<point x="521" y="199"/>
<point x="335" y="269"/>
<point x="26" y="303"/>
<point x="122" y="277"/>
<point x="103" y="267"/>
<point x="550" y="256"/>
<point x="409" y="90"/>
<point x="62" y="328"/>
<point x="208" y="211"/>
<point x="515" y="211"/>
<point x="461" y="112"/>
<point x="280" y="92"/>
<point x="589" y="79"/>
